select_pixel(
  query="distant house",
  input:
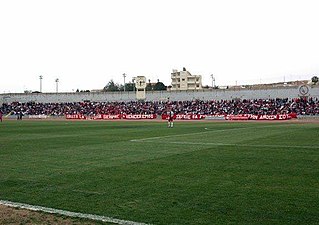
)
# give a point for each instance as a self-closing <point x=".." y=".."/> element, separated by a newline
<point x="184" y="80"/>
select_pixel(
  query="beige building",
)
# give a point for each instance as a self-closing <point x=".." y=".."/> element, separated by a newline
<point x="184" y="80"/>
<point x="140" y="85"/>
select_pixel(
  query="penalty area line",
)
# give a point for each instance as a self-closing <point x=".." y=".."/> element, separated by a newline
<point x="229" y="144"/>
<point x="207" y="130"/>
<point x="180" y="135"/>
<point x="69" y="213"/>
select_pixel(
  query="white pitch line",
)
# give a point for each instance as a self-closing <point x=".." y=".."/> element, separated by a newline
<point x="179" y="135"/>
<point x="227" y="144"/>
<point x="151" y="139"/>
<point x="202" y="132"/>
<point x="69" y="213"/>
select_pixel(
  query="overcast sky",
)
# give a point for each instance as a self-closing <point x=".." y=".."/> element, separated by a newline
<point x="87" y="43"/>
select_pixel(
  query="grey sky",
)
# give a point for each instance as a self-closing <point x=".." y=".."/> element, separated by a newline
<point x="87" y="43"/>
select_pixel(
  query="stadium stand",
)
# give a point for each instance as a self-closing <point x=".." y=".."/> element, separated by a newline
<point x="299" y="106"/>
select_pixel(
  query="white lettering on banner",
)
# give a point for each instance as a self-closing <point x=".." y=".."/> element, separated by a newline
<point x="75" y="116"/>
<point x="111" y="117"/>
<point x="268" y="117"/>
<point x="139" y="116"/>
<point x="106" y="117"/>
<point x="253" y="117"/>
<point x="183" y="117"/>
<point x="189" y="117"/>
<point x="258" y="117"/>
<point x="284" y="117"/>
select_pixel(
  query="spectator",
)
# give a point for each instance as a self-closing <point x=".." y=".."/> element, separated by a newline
<point x="221" y="107"/>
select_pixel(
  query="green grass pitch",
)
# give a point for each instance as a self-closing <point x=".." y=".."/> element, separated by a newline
<point x="195" y="173"/>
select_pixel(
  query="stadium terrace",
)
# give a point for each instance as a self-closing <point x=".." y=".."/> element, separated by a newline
<point x="298" y="106"/>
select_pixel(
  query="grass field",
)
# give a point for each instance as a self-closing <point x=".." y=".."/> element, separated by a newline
<point x="195" y="173"/>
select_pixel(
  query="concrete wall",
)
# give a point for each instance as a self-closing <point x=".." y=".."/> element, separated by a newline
<point x="68" y="97"/>
<point x="284" y="92"/>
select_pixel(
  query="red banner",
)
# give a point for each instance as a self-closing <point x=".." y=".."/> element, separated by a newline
<point x="180" y="117"/>
<point x="112" y="117"/>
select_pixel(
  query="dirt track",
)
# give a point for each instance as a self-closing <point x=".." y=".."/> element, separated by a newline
<point x="15" y="216"/>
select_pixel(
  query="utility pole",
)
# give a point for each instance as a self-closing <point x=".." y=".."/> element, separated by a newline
<point x="213" y="81"/>
<point x="40" y="77"/>
<point x="57" y="85"/>
<point x="133" y="81"/>
<point x="124" y="75"/>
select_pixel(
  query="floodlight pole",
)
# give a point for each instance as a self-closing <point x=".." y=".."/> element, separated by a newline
<point x="213" y="81"/>
<point x="40" y="77"/>
<point x="124" y="75"/>
<point x="57" y="85"/>
<point x="133" y="80"/>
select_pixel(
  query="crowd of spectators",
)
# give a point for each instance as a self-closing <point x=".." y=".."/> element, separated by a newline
<point x="214" y="107"/>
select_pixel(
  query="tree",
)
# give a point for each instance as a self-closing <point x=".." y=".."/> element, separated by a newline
<point x="159" y="86"/>
<point x="149" y="87"/>
<point x="314" y="79"/>
<point x="129" y="86"/>
<point x="111" y="86"/>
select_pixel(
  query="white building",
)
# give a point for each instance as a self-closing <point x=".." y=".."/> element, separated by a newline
<point x="140" y="85"/>
<point x="184" y="80"/>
